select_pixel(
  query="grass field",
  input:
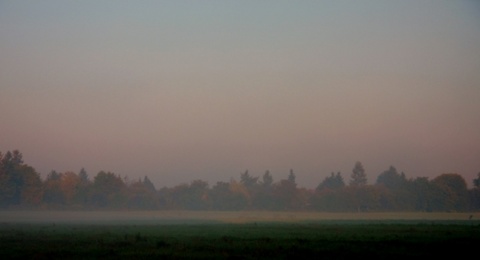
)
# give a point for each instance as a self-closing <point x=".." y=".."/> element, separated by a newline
<point x="162" y="217"/>
<point x="235" y="235"/>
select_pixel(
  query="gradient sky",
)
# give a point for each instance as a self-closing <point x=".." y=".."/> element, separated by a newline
<point x="184" y="90"/>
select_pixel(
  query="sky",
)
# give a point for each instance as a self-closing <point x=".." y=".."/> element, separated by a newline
<point x="186" y="90"/>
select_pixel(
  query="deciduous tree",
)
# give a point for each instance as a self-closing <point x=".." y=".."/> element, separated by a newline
<point x="53" y="194"/>
<point x="392" y="179"/>
<point x="108" y="190"/>
<point x="452" y="191"/>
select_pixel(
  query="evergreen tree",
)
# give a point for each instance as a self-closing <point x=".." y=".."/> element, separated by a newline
<point x="19" y="182"/>
<point x="148" y="184"/>
<point x="267" y="179"/>
<point x="358" y="177"/>
<point x="291" y="177"/>
<point x="83" y="175"/>
<point x="247" y="180"/>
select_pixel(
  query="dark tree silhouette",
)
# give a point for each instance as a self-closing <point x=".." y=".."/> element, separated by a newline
<point x="21" y="187"/>
<point x="292" y="177"/>
<point x="10" y="178"/>
<point x="333" y="182"/>
<point x="267" y="179"/>
<point x="451" y="192"/>
<point x="392" y="179"/>
<point x="476" y="182"/>
<point x="148" y="184"/>
<point x="108" y="190"/>
<point x="83" y="175"/>
<point x="247" y="180"/>
<point x="358" y="177"/>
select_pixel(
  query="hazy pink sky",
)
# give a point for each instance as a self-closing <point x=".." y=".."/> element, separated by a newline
<point x="184" y="90"/>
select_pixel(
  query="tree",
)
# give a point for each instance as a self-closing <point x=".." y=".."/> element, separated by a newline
<point x="141" y="195"/>
<point x="241" y="194"/>
<point x="221" y="197"/>
<point x="267" y="179"/>
<point x="333" y="182"/>
<point x="263" y="198"/>
<point x="193" y="196"/>
<point x="330" y="200"/>
<point x="198" y="192"/>
<point x="11" y="178"/>
<point x="474" y="194"/>
<point x="84" y="188"/>
<point x="396" y="190"/>
<point x="53" y="193"/>
<point x="69" y="185"/>
<point x="391" y="179"/>
<point x="358" y="177"/>
<point x="148" y="184"/>
<point x="476" y="182"/>
<point x="83" y="175"/>
<point x="248" y="181"/>
<point x="12" y="159"/>
<point x="292" y="177"/>
<point x="108" y="190"/>
<point x="451" y="192"/>
<point x="421" y="191"/>
<point x="228" y="196"/>
<point x="31" y="188"/>
<point x="285" y="195"/>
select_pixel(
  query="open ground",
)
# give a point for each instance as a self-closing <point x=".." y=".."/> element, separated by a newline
<point x="234" y="235"/>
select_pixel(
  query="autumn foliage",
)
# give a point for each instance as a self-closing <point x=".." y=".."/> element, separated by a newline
<point x="22" y="187"/>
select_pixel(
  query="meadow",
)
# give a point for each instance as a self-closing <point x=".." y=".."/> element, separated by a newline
<point x="235" y="235"/>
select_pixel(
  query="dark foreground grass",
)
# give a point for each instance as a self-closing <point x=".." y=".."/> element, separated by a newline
<point x="321" y="240"/>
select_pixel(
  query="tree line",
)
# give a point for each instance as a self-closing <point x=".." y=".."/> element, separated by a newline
<point x="21" y="187"/>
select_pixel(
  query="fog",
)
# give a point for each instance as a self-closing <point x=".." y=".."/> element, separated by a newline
<point x="204" y="217"/>
<point x="189" y="90"/>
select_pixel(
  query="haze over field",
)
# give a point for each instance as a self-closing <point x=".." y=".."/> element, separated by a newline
<point x="184" y="90"/>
